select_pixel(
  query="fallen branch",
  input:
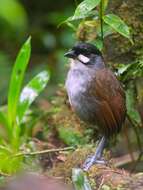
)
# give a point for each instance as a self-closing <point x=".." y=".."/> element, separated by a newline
<point x="43" y="151"/>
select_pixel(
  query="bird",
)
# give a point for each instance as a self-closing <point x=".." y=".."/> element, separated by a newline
<point x="95" y="94"/>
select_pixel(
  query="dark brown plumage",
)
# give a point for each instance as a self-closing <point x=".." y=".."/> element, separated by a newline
<point x="95" y="94"/>
<point x="107" y="89"/>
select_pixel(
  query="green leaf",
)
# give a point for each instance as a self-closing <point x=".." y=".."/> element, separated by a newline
<point x="3" y="119"/>
<point x="17" y="79"/>
<point x="123" y="68"/>
<point x="83" y="16"/>
<point x="107" y="30"/>
<point x="30" y="92"/>
<point x="71" y="26"/>
<point x="84" y="8"/>
<point x="118" y="25"/>
<point x="130" y="71"/>
<point x="80" y="180"/>
<point x="73" y="18"/>
<point x="4" y="122"/>
<point x="98" y="43"/>
<point x="13" y="12"/>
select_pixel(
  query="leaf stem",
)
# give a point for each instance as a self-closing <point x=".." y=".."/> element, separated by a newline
<point x="101" y="20"/>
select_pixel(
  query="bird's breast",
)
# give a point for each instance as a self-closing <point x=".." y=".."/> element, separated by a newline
<point x="77" y="85"/>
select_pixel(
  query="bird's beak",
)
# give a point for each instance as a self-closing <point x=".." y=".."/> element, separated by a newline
<point x="70" y="54"/>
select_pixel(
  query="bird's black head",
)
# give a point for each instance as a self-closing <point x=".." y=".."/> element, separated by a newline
<point x="83" y="52"/>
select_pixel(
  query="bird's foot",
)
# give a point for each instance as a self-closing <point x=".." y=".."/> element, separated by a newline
<point x="90" y="161"/>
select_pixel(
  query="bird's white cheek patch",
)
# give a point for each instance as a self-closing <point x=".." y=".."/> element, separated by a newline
<point x="83" y="58"/>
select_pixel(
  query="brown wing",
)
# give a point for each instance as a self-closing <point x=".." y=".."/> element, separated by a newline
<point x="112" y="109"/>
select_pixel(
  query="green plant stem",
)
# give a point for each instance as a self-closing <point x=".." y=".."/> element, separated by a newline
<point x="101" y="20"/>
<point x="43" y="151"/>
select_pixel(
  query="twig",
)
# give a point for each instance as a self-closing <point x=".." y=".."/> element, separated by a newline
<point x="125" y="159"/>
<point x="101" y="184"/>
<point x="43" y="151"/>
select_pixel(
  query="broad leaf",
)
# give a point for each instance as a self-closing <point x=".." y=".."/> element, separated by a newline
<point x="84" y="8"/>
<point x="98" y="43"/>
<point x="17" y="79"/>
<point x="30" y="92"/>
<point x="118" y="25"/>
<point x="80" y="180"/>
<point x="107" y="30"/>
<point x="82" y="16"/>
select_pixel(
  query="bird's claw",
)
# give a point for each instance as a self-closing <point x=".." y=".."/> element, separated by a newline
<point x="91" y="161"/>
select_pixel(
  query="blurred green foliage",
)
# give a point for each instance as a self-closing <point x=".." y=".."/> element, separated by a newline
<point x="14" y="14"/>
<point x="17" y="21"/>
<point x="71" y="137"/>
<point x="14" y="117"/>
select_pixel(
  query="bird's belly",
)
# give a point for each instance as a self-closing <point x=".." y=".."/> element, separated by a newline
<point x="85" y="109"/>
<point x="77" y="89"/>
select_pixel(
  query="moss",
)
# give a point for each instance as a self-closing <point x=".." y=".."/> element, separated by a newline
<point x="132" y="13"/>
<point x="70" y="136"/>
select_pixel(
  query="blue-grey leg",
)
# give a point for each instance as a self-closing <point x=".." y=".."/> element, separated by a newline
<point x="97" y="157"/>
